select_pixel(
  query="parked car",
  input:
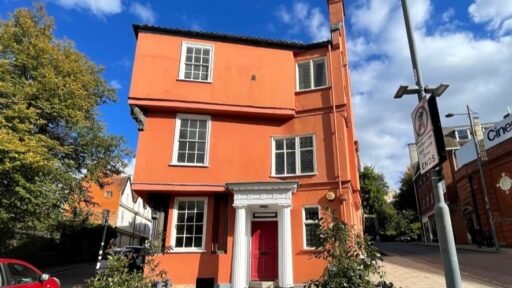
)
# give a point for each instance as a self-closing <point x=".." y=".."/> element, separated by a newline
<point x="19" y="274"/>
<point x="112" y="252"/>
<point x="139" y="254"/>
<point x="405" y="239"/>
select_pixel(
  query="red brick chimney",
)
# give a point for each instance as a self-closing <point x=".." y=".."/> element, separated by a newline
<point x="336" y="11"/>
<point x="336" y="19"/>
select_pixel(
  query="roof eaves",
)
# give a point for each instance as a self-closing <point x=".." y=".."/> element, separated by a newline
<point x="257" y="41"/>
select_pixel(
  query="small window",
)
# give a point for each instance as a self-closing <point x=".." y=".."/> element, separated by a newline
<point x="311" y="74"/>
<point x="189" y="224"/>
<point x="196" y="62"/>
<point x="21" y="274"/>
<point x="191" y="140"/>
<point x="311" y="226"/>
<point x="294" y="156"/>
<point x="462" y="134"/>
<point x="108" y="194"/>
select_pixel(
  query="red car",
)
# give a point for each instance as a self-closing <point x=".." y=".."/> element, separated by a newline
<point x="20" y="274"/>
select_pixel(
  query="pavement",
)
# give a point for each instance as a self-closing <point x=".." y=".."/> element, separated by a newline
<point x="418" y="266"/>
<point x="72" y="276"/>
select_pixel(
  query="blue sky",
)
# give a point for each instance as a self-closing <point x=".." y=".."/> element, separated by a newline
<point x="466" y="43"/>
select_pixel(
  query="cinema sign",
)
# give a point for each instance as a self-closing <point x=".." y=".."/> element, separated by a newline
<point x="499" y="133"/>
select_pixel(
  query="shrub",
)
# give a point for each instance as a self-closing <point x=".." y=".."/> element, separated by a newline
<point x="117" y="275"/>
<point x="352" y="261"/>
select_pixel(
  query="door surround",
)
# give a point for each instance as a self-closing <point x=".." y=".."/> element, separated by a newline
<point x="250" y="197"/>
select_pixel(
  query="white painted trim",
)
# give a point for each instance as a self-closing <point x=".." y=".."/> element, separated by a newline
<point x="177" y="127"/>
<point x="304" y="224"/>
<point x="297" y="89"/>
<point x="174" y="218"/>
<point x="297" y="156"/>
<point x="184" y="45"/>
<point x="262" y="193"/>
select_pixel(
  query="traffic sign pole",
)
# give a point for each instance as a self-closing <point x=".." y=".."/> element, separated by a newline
<point x="442" y="213"/>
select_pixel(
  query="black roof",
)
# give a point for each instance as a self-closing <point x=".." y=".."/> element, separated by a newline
<point x="256" y="41"/>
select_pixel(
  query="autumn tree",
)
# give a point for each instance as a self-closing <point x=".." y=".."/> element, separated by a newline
<point x="50" y="135"/>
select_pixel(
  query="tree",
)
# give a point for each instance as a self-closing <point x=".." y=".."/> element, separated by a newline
<point x="405" y="199"/>
<point x="373" y="192"/>
<point x="50" y="137"/>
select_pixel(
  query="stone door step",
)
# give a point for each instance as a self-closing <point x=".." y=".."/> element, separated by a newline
<point x="261" y="284"/>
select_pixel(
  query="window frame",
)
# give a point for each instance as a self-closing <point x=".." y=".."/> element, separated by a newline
<point x="179" y="117"/>
<point x="9" y="275"/>
<point x="311" y="60"/>
<point x="184" y="46"/>
<point x="297" y="156"/>
<point x="304" y="222"/>
<point x="174" y="224"/>
<point x="467" y="131"/>
<point x="108" y="194"/>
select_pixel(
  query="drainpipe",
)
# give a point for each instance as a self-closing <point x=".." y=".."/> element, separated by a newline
<point x="345" y="90"/>
<point x="342" y="213"/>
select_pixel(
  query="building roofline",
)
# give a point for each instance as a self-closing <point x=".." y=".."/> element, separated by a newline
<point x="224" y="37"/>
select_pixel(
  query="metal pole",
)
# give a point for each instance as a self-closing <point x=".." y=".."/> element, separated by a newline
<point x="446" y="241"/>
<point x="442" y="213"/>
<point x="482" y="181"/>
<point x="423" y="236"/>
<point x="412" y="49"/>
<point x="100" y="254"/>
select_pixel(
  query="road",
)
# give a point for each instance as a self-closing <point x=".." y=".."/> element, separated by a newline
<point x="72" y="276"/>
<point x="478" y="269"/>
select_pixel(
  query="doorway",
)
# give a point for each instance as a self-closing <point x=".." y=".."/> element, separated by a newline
<point x="264" y="251"/>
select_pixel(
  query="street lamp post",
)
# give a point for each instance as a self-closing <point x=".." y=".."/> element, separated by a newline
<point x="481" y="170"/>
<point x="444" y="227"/>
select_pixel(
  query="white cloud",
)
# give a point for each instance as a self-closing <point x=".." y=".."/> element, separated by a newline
<point x="97" y="7"/>
<point x="130" y="168"/>
<point x="474" y="66"/>
<point x="496" y="13"/>
<point x="448" y="14"/>
<point x="116" y="84"/>
<point x="143" y="12"/>
<point x="304" y="18"/>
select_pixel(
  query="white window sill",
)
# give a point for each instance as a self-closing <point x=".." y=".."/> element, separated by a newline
<point x="198" y="81"/>
<point x="313" y="89"/>
<point x="294" y="175"/>
<point x="189" y="165"/>
<point x="179" y="251"/>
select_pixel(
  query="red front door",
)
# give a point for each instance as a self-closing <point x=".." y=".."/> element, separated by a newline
<point x="264" y="250"/>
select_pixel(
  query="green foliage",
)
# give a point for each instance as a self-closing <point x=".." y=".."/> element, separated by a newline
<point x="373" y="190"/>
<point x="397" y="219"/>
<point x="405" y="199"/>
<point x="80" y="240"/>
<point x="403" y="223"/>
<point x="117" y="275"/>
<point x="50" y="135"/>
<point x="352" y="260"/>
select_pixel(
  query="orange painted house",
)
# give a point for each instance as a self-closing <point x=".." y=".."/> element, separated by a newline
<point x="126" y="211"/>
<point x="241" y="141"/>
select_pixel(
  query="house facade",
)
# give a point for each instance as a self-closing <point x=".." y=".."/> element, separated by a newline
<point x="127" y="212"/>
<point x="242" y="143"/>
